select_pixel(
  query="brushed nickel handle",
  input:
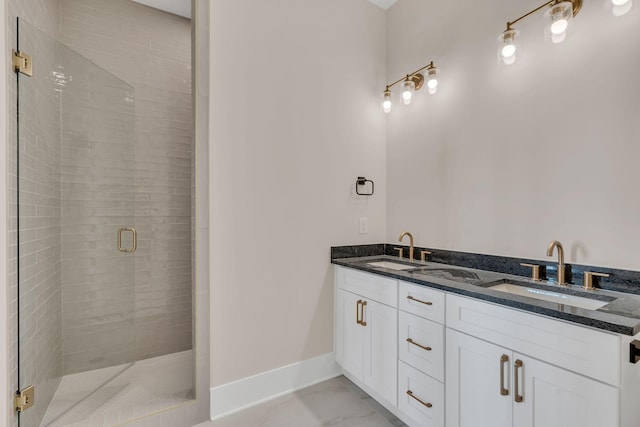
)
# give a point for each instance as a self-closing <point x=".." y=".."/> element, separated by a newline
<point x="519" y="398"/>
<point x="504" y="359"/>
<point x="420" y="301"/>
<point x="410" y="341"/>
<point x="134" y="243"/>
<point x="358" y="311"/>
<point x="410" y="394"/>
<point x="362" y="322"/>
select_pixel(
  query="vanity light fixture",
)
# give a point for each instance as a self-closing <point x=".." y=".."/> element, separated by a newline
<point x="412" y="83"/>
<point x="558" y="19"/>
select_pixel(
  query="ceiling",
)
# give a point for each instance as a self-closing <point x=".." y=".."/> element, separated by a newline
<point x="177" y="7"/>
<point x="385" y="4"/>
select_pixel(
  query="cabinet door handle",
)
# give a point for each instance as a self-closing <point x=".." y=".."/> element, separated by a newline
<point x="504" y="359"/>
<point x="358" y="311"/>
<point x="417" y="300"/>
<point x="517" y="397"/>
<point x="362" y="322"/>
<point x="410" y="341"/>
<point x="411" y="395"/>
<point x="134" y="242"/>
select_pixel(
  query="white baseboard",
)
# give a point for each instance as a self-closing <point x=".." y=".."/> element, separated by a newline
<point x="232" y="397"/>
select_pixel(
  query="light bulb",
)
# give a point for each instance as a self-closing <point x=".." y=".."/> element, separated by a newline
<point x="559" y="26"/>
<point x="508" y="50"/>
<point x="407" y="92"/>
<point x="432" y="80"/>
<point x="386" y="103"/>
<point x="621" y="7"/>
<point x="559" y="17"/>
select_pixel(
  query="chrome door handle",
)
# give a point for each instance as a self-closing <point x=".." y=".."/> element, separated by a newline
<point x="135" y="239"/>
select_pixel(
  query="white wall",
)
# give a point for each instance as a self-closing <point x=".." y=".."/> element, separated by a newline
<point x="505" y="159"/>
<point x="294" y="120"/>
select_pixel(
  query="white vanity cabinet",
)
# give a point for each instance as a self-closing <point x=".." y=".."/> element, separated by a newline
<point x="421" y="355"/>
<point x="494" y="384"/>
<point x="366" y="330"/>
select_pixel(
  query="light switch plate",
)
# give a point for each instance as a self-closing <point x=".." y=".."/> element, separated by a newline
<point x="364" y="225"/>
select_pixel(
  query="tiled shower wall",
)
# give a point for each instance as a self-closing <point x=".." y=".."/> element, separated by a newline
<point x="150" y="50"/>
<point x="40" y="262"/>
<point x="98" y="167"/>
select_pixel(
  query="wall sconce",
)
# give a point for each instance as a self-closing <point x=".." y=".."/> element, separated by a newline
<point x="411" y="83"/>
<point x="558" y="19"/>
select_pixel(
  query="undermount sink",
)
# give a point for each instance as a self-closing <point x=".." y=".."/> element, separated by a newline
<point x="391" y="265"/>
<point x="555" y="297"/>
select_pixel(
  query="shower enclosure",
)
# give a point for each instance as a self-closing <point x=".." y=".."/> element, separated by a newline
<point x="76" y="211"/>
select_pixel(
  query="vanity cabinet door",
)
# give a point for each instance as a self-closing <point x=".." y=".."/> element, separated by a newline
<point x="349" y="335"/>
<point x="380" y="350"/>
<point x="554" y="397"/>
<point x="475" y="394"/>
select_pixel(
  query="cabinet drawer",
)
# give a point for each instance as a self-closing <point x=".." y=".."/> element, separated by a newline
<point x="588" y="352"/>
<point x="426" y="407"/>
<point x="425" y="352"/>
<point x="421" y="301"/>
<point x="376" y="288"/>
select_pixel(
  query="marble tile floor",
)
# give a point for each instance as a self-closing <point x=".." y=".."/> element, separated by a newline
<point x="336" y="402"/>
<point x="129" y="392"/>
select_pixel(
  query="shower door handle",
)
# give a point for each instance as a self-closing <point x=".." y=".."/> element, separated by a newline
<point x="135" y="239"/>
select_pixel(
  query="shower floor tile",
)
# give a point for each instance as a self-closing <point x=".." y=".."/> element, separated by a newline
<point x="143" y="388"/>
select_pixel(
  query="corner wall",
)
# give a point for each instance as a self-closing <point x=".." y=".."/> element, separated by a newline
<point x="294" y="120"/>
<point x="505" y="159"/>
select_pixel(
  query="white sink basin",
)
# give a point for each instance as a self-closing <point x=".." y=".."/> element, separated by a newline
<point x="558" y="298"/>
<point x="391" y="265"/>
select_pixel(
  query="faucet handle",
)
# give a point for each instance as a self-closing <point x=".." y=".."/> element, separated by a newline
<point x="423" y="255"/>
<point x="535" y="270"/>
<point x="400" y="251"/>
<point x="588" y="279"/>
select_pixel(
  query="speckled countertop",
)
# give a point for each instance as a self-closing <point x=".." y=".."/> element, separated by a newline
<point x="621" y="315"/>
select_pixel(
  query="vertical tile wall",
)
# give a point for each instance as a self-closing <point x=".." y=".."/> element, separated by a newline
<point x="150" y="50"/>
<point x="40" y="262"/>
<point x="98" y="169"/>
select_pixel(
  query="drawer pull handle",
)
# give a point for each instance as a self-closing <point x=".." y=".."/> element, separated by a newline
<point x="358" y="311"/>
<point x="410" y="394"/>
<point x="363" y="305"/>
<point x="517" y="397"/>
<point x="503" y="361"/>
<point x="417" y="300"/>
<point x="410" y="341"/>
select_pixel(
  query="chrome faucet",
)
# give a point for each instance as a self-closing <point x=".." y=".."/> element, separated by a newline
<point x="406" y="233"/>
<point x="558" y="245"/>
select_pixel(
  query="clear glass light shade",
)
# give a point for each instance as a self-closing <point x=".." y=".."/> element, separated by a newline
<point x="408" y="87"/>
<point x="508" y="47"/>
<point x="619" y="7"/>
<point x="558" y="19"/>
<point x="386" y="102"/>
<point x="431" y="77"/>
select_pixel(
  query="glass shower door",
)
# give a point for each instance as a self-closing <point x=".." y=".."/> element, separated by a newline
<point x="76" y="237"/>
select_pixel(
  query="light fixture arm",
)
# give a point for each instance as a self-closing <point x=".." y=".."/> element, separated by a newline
<point x="413" y="76"/>
<point x="577" y="5"/>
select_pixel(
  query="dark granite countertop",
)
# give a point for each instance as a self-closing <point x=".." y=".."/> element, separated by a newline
<point x="620" y="315"/>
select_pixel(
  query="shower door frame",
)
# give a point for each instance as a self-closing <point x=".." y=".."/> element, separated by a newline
<point x="201" y="23"/>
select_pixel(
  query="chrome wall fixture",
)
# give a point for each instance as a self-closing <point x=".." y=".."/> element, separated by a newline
<point x="411" y="83"/>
